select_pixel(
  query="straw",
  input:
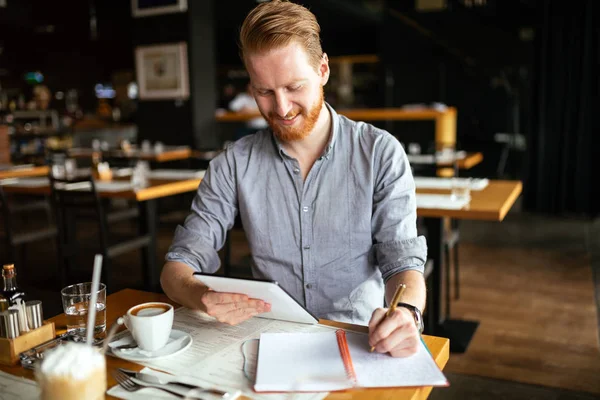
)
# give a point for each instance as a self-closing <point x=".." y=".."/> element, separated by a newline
<point x="91" y="322"/>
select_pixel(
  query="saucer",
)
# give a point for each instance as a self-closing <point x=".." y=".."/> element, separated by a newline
<point x="178" y="342"/>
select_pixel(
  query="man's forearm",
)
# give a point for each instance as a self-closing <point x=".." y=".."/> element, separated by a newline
<point x="415" y="292"/>
<point x="179" y="284"/>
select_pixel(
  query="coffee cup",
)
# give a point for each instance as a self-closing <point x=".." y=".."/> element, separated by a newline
<point x="150" y="324"/>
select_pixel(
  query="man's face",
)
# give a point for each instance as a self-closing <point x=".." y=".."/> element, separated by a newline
<point x="288" y="90"/>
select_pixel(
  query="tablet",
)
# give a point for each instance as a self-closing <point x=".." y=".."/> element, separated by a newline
<point x="283" y="306"/>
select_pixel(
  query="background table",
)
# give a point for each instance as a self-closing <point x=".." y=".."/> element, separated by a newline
<point x="170" y="153"/>
<point x="146" y="199"/>
<point x="489" y="204"/>
<point x="118" y="303"/>
<point x="22" y="172"/>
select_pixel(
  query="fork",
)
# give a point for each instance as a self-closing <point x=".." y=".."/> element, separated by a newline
<point x="151" y="379"/>
<point x="129" y="385"/>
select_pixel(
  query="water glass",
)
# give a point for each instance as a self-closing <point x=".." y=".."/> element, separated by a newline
<point x="76" y="303"/>
<point x="159" y="147"/>
<point x="446" y="155"/>
<point x="461" y="189"/>
<point x="414" y="148"/>
<point x="70" y="168"/>
<point x="58" y="171"/>
<point x="146" y="146"/>
<point x="140" y="174"/>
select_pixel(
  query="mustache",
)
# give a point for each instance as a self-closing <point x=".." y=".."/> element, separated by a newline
<point x="289" y="115"/>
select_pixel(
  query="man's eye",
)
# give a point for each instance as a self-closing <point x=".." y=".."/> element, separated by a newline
<point x="263" y="92"/>
<point x="294" y="88"/>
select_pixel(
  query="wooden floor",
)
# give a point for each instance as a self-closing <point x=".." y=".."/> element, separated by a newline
<point x="537" y="317"/>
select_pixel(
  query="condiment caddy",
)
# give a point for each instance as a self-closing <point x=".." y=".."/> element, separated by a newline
<point x="22" y="325"/>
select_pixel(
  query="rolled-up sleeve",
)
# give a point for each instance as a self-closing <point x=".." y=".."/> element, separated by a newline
<point x="213" y="212"/>
<point x="396" y="246"/>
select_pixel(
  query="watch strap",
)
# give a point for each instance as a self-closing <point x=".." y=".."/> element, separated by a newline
<point x="416" y="315"/>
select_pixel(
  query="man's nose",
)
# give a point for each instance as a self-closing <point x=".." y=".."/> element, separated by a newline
<point x="283" y="106"/>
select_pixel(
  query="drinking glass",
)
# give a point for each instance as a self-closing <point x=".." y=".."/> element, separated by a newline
<point x="76" y="303"/>
<point x="140" y="174"/>
<point x="414" y="148"/>
<point x="70" y="168"/>
<point x="461" y="189"/>
<point x="58" y="171"/>
<point x="159" y="147"/>
<point x="146" y="146"/>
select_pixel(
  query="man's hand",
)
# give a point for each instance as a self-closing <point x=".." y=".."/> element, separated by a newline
<point x="232" y="308"/>
<point x="396" y="334"/>
<point x="179" y="284"/>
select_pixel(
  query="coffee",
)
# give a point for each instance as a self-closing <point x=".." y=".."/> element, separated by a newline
<point x="72" y="371"/>
<point x="150" y="324"/>
<point x="150" y="309"/>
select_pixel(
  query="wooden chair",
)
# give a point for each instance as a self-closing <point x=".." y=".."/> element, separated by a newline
<point x="79" y="198"/>
<point x="16" y="235"/>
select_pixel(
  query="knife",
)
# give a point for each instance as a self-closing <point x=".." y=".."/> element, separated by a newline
<point x="155" y="380"/>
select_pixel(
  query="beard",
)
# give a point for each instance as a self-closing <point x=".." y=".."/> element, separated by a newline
<point x="298" y="131"/>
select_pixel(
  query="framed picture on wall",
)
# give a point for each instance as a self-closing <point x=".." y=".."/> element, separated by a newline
<point x="162" y="71"/>
<point x="144" y="8"/>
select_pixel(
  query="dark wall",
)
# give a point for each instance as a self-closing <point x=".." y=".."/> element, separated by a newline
<point x="182" y="121"/>
<point x="57" y="40"/>
<point x="168" y="121"/>
<point x="449" y="56"/>
<point x="465" y="60"/>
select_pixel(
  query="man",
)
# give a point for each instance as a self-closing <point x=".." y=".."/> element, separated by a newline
<point x="328" y="204"/>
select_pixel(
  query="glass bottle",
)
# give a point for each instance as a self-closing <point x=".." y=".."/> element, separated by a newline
<point x="10" y="289"/>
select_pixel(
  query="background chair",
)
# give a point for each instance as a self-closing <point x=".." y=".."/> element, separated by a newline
<point x="78" y="199"/>
<point x="20" y="224"/>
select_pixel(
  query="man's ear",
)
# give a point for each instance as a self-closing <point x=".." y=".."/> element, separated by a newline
<point x="324" y="69"/>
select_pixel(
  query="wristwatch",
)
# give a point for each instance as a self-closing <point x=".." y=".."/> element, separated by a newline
<point x="416" y="314"/>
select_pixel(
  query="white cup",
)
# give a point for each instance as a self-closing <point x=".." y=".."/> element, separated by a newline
<point x="150" y="324"/>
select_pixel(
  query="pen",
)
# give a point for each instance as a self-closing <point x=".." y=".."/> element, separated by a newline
<point x="397" y="296"/>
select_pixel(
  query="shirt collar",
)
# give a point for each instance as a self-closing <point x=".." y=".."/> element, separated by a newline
<point x="332" y="137"/>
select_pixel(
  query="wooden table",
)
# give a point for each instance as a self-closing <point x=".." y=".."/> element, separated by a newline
<point x="118" y="303"/>
<point x="445" y="121"/>
<point x="170" y="153"/>
<point x="471" y="160"/>
<point x="146" y="198"/>
<point x="467" y="162"/>
<point x="489" y="204"/>
<point x="20" y="172"/>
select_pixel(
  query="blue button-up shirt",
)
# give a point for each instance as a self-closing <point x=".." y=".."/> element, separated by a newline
<point x="331" y="240"/>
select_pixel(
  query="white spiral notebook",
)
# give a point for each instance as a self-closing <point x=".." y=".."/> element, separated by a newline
<point x="337" y="360"/>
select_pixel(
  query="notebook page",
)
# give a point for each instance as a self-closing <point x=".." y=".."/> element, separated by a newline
<point x="382" y="370"/>
<point x="303" y="362"/>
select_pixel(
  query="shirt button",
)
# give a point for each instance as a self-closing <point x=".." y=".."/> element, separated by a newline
<point x="305" y="209"/>
<point x="308" y="286"/>
<point x="296" y="171"/>
<point x="307" y="247"/>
